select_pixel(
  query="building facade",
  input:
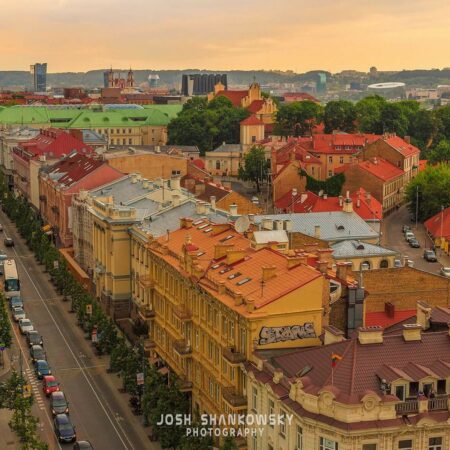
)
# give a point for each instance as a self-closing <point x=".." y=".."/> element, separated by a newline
<point x="39" y="73"/>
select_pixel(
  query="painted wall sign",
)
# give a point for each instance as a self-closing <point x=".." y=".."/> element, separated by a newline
<point x="272" y="335"/>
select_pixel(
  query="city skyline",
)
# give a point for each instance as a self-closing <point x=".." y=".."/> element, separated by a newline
<point x="81" y="36"/>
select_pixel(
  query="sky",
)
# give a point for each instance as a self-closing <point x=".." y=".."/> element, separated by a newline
<point x="298" y="35"/>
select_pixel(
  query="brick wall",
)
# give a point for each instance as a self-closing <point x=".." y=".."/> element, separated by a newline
<point x="383" y="150"/>
<point x="356" y="178"/>
<point x="404" y="287"/>
<point x="299" y="240"/>
<point x="288" y="179"/>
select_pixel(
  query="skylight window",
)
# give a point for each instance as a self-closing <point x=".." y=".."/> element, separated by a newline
<point x="227" y="238"/>
<point x="207" y="230"/>
<point x="197" y="222"/>
<point x="202" y="226"/>
<point x="225" y="270"/>
<point x="200" y="253"/>
<point x="234" y="275"/>
<point x="245" y="280"/>
<point x="215" y="266"/>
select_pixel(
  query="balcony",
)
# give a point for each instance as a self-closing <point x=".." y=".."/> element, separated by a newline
<point x="439" y="403"/>
<point x="233" y="398"/>
<point x="233" y="356"/>
<point x="146" y="313"/>
<point x="185" y="385"/>
<point x="408" y="407"/>
<point x="146" y="281"/>
<point x="182" y="312"/>
<point x="182" y="347"/>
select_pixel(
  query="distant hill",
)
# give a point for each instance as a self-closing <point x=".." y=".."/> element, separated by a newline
<point x="172" y="78"/>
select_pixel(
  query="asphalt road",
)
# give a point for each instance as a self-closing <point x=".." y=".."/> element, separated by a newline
<point x="393" y="238"/>
<point x="97" y="409"/>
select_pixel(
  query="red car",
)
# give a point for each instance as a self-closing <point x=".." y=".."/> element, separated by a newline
<point x="49" y="385"/>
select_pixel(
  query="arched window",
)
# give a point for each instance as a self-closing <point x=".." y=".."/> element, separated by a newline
<point x="218" y="165"/>
<point x="384" y="264"/>
<point x="365" y="265"/>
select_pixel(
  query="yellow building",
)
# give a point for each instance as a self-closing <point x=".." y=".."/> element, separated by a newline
<point x="376" y="397"/>
<point x="211" y="300"/>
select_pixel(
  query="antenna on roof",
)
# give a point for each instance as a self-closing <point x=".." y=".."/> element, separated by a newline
<point x="242" y="224"/>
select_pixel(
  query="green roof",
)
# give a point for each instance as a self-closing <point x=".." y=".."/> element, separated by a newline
<point x="159" y="115"/>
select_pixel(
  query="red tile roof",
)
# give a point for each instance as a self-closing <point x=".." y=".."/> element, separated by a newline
<point x="439" y="224"/>
<point x="199" y="163"/>
<point x="422" y="164"/>
<point x="255" y="106"/>
<point x="368" y="209"/>
<point x="299" y="96"/>
<point x="378" y="167"/>
<point x="252" y="120"/>
<point x="401" y="146"/>
<point x="234" y="96"/>
<point x="73" y="168"/>
<point x="383" y="320"/>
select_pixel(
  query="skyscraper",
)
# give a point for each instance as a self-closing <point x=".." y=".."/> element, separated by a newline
<point x="201" y="84"/>
<point x="39" y="72"/>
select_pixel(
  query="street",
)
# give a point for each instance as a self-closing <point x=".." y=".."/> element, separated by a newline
<point x="393" y="238"/>
<point x="98" y="411"/>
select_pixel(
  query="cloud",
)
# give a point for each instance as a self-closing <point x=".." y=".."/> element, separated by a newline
<point x="284" y="34"/>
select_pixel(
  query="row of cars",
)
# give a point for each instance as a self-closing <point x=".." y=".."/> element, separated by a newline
<point x="429" y="254"/>
<point x="59" y="406"/>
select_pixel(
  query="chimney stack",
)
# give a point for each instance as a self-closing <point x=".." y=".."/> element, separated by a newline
<point x="268" y="272"/>
<point x="317" y="231"/>
<point x="175" y="183"/>
<point x="412" y="332"/>
<point x="341" y="201"/>
<point x="212" y="199"/>
<point x="370" y="335"/>
<point x="342" y="269"/>
<point x="332" y="335"/>
<point x="233" y="210"/>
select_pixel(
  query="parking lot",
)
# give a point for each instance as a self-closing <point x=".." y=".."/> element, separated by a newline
<point x="393" y="237"/>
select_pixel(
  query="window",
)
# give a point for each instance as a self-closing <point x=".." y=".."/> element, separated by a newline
<point x="327" y="444"/>
<point x="217" y="165"/>
<point x="299" y="438"/>
<point x="330" y="173"/>
<point x="405" y="444"/>
<point x="130" y="141"/>
<point x="384" y="264"/>
<point x="369" y="447"/>
<point x="283" y="423"/>
<point x="253" y="139"/>
<point x="330" y="159"/>
<point x="442" y="387"/>
<point x="435" y="443"/>
<point x="254" y="398"/>
<point x="341" y="160"/>
<point x="271" y="410"/>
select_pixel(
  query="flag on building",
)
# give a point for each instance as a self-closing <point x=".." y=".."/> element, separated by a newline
<point x="334" y="359"/>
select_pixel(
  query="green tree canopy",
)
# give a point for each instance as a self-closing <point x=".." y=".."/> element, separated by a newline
<point x="339" y="115"/>
<point x="433" y="186"/>
<point x="424" y="127"/>
<point x="394" y="119"/>
<point x="440" y="153"/>
<point x="207" y="125"/>
<point x="298" y="118"/>
<point x="368" y="114"/>
<point x="255" y="168"/>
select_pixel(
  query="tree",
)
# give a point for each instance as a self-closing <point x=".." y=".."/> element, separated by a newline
<point x="197" y="442"/>
<point x="255" y="167"/>
<point x="433" y="186"/>
<point x="298" y="118"/>
<point x="440" y="153"/>
<point x="368" y="114"/>
<point x="424" y="127"/>
<point x="5" y="326"/>
<point x="229" y="444"/>
<point x="443" y="115"/>
<point x="393" y="119"/>
<point x="339" y="115"/>
<point x="207" y="125"/>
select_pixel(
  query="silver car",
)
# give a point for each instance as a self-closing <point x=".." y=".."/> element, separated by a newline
<point x="18" y="313"/>
<point x="445" y="271"/>
<point x="25" y="326"/>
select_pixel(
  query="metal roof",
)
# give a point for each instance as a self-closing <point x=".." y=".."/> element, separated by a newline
<point x="334" y="225"/>
<point x="349" y="249"/>
<point x="263" y="237"/>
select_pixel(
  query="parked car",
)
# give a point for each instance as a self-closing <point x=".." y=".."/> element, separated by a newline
<point x="409" y="235"/>
<point x="64" y="430"/>
<point x="406" y="228"/>
<point x="25" y="326"/>
<point x="82" y="445"/>
<point x="410" y="263"/>
<point x="3" y="256"/>
<point x="49" y="385"/>
<point x="9" y="242"/>
<point x="1" y="227"/>
<point x="414" y="243"/>
<point x="429" y="255"/>
<point x="37" y="353"/>
<point x="34" y="338"/>
<point x="42" y="368"/>
<point x="445" y="271"/>
<point x="397" y="263"/>
<point x="2" y="268"/>
<point x="15" y="302"/>
<point x="59" y="403"/>
<point x="18" y="313"/>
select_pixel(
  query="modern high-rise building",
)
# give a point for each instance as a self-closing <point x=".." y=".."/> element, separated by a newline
<point x="201" y="84"/>
<point x="39" y="72"/>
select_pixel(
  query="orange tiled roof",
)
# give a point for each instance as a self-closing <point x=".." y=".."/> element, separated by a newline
<point x="252" y="120"/>
<point x="244" y="276"/>
<point x="402" y="146"/>
<point x="439" y="224"/>
<point x="378" y="167"/>
<point x="255" y="106"/>
<point x="234" y="96"/>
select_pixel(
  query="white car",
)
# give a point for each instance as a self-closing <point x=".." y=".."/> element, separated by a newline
<point x="25" y="326"/>
<point x="18" y="313"/>
<point x="445" y="271"/>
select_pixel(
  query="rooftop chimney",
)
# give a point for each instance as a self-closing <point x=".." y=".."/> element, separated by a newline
<point x="325" y="196"/>
<point x="322" y="266"/>
<point x="412" y="332"/>
<point x="317" y="231"/>
<point x="212" y="199"/>
<point x="268" y="272"/>
<point x="348" y="205"/>
<point x="267" y="224"/>
<point x="233" y="210"/>
<point x="175" y="183"/>
<point x="332" y="334"/>
<point x="342" y="270"/>
<point x="278" y="225"/>
<point x="341" y="200"/>
<point x="423" y="315"/>
<point x="200" y="207"/>
<point x="370" y="335"/>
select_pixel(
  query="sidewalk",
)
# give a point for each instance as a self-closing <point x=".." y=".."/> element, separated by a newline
<point x="8" y="439"/>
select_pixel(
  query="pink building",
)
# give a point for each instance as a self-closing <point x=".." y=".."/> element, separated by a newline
<point x="60" y="182"/>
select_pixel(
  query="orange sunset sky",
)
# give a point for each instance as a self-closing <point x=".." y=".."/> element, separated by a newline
<point x="79" y="35"/>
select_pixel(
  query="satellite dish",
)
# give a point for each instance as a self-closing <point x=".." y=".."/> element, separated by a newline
<point x="242" y="224"/>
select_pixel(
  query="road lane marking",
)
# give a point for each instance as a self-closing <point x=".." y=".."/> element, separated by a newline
<point x="75" y="358"/>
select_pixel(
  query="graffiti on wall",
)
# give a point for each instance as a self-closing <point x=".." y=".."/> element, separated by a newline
<point x="272" y="335"/>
